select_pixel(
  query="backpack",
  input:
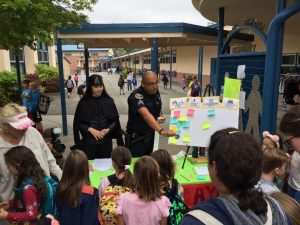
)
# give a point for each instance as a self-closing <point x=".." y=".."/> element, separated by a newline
<point x="195" y="89"/>
<point x="134" y="82"/>
<point x="48" y="206"/>
<point x="178" y="207"/>
<point x="69" y="84"/>
<point x="108" y="203"/>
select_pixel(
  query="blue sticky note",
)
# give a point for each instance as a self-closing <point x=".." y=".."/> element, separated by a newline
<point x="173" y="120"/>
<point x="201" y="177"/>
<point x="179" y="124"/>
<point x="178" y="133"/>
<point x="186" y="124"/>
<point x="211" y="112"/>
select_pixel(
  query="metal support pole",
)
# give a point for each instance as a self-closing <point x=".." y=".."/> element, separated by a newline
<point x="220" y="45"/>
<point x="62" y="87"/>
<point x="200" y="66"/>
<point x="86" y="64"/>
<point x="18" y="75"/>
<point x="154" y="56"/>
<point x="171" y="63"/>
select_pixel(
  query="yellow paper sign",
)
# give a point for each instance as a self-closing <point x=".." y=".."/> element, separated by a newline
<point x="232" y="88"/>
<point x="172" y="140"/>
<point x="186" y="138"/>
<point x="205" y="125"/>
<point x="173" y="128"/>
<point x="182" y="118"/>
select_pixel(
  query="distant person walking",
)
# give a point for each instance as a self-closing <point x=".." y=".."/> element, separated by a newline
<point x="134" y="82"/>
<point x="165" y="80"/>
<point x="76" y="79"/>
<point x="129" y="80"/>
<point x="183" y="82"/>
<point x="121" y="83"/>
<point x="69" y="85"/>
<point x="81" y="90"/>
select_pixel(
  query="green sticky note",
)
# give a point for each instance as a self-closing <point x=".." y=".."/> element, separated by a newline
<point x="211" y="112"/>
<point x="179" y="124"/>
<point x="173" y="120"/>
<point x="182" y="118"/>
<point x="172" y="140"/>
<point x="186" y="138"/>
<point x="232" y="88"/>
<point x="205" y="125"/>
<point x="186" y="124"/>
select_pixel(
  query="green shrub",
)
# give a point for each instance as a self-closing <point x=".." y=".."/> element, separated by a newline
<point x="45" y="72"/>
<point x="8" y="87"/>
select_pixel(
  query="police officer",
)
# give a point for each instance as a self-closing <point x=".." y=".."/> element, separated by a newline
<point x="144" y="108"/>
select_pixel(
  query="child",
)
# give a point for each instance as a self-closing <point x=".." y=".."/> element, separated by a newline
<point x="134" y="82"/>
<point x="146" y="205"/>
<point x="121" y="159"/>
<point x="24" y="209"/>
<point x="290" y="127"/>
<point x="77" y="201"/>
<point x="26" y="94"/>
<point x="69" y="85"/>
<point x="274" y="162"/>
<point x="34" y="111"/>
<point x="165" y="80"/>
<point x="121" y="83"/>
<point x="183" y="82"/>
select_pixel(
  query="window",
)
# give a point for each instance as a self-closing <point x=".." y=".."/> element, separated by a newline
<point x="94" y="53"/>
<point x="42" y="51"/>
<point x="165" y="57"/>
<point x="21" y="59"/>
<point x="289" y="59"/>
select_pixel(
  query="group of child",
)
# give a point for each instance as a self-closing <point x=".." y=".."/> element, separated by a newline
<point x="131" y="81"/>
<point x="241" y="170"/>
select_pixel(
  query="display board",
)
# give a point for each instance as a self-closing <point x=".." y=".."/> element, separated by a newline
<point x="195" y="119"/>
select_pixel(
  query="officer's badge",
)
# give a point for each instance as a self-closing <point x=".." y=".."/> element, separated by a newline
<point x="138" y="96"/>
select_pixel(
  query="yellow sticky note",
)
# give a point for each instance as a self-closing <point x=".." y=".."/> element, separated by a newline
<point x="173" y="128"/>
<point x="172" y="140"/>
<point x="205" y="125"/>
<point x="186" y="138"/>
<point x="182" y="118"/>
<point x="232" y="88"/>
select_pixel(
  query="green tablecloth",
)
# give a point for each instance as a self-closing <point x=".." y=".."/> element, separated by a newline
<point x="184" y="176"/>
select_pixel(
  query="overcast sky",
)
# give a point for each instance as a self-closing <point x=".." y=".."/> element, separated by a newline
<point x="145" y="11"/>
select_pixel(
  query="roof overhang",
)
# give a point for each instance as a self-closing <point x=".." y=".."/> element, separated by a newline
<point x="235" y="11"/>
<point x="142" y="35"/>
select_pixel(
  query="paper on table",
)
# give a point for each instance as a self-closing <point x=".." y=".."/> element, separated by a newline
<point x="190" y="112"/>
<point x="241" y="71"/>
<point x="242" y="99"/>
<point x="201" y="170"/>
<point x="186" y="124"/>
<point x="102" y="164"/>
<point x="173" y="120"/>
<point x="205" y="125"/>
<point x="177" y="113"/>
<point x="211" y="112"/>
<point x="173" y="128"/>
<point x="232" y="88"/>
<point x="186" y="138"/>
<point x="182" y="118"/>
<point x="172" y="140"/>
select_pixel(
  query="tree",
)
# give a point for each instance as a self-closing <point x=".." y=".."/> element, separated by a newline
<point x="24" y="22"/>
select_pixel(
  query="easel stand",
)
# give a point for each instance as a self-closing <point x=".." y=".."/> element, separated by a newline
<point x="186" y="155"/>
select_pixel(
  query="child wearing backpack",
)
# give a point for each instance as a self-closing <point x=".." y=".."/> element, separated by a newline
<point x="30" y="189"/>
<point x="274" y="162"/>
<point x="134" y="82"/>
<point x="146" y="204"/>
<point x="77" y="201"/>
<point x="113" y="186"/>
<point x="172" y="189"/>
<point x="121" y="83"/>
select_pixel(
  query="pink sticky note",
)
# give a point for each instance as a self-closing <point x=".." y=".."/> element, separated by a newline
<point x="190" y="112"/>
<point x="176" y="113"/>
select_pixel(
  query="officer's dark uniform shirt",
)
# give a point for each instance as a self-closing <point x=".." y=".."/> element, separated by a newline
<point x="137" y="99"/>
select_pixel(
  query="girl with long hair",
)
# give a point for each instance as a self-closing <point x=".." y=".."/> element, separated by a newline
<point x="30" y="188"/>
<point x="97" y="120"/>
<point x="146" y="204"/>
<point x="77" y="201"/>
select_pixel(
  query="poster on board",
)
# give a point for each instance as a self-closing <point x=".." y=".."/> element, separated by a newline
<point x="195" y="119"/>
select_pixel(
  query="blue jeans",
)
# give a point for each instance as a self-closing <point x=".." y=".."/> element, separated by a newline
<point x="294" y="194"/>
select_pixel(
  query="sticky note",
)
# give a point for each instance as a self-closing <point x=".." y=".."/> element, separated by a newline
<point x="173" y="120"/>
<point x="178" y="133"/>
<point x="179" y="124"/>
<point x="182" y="118"/>
<point x="173" y="128"/>
<point x="232" y="88"/>
<point x="205" y="125"/>
<point x="186" y="138"/>
<point x="186" y="124"/>
<point x="200" y="177"/>
<point x="211" y="112"/>
<point x="176" y="114"/>
<point x="172" y="140"/>
<point x="190" y="112"/>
